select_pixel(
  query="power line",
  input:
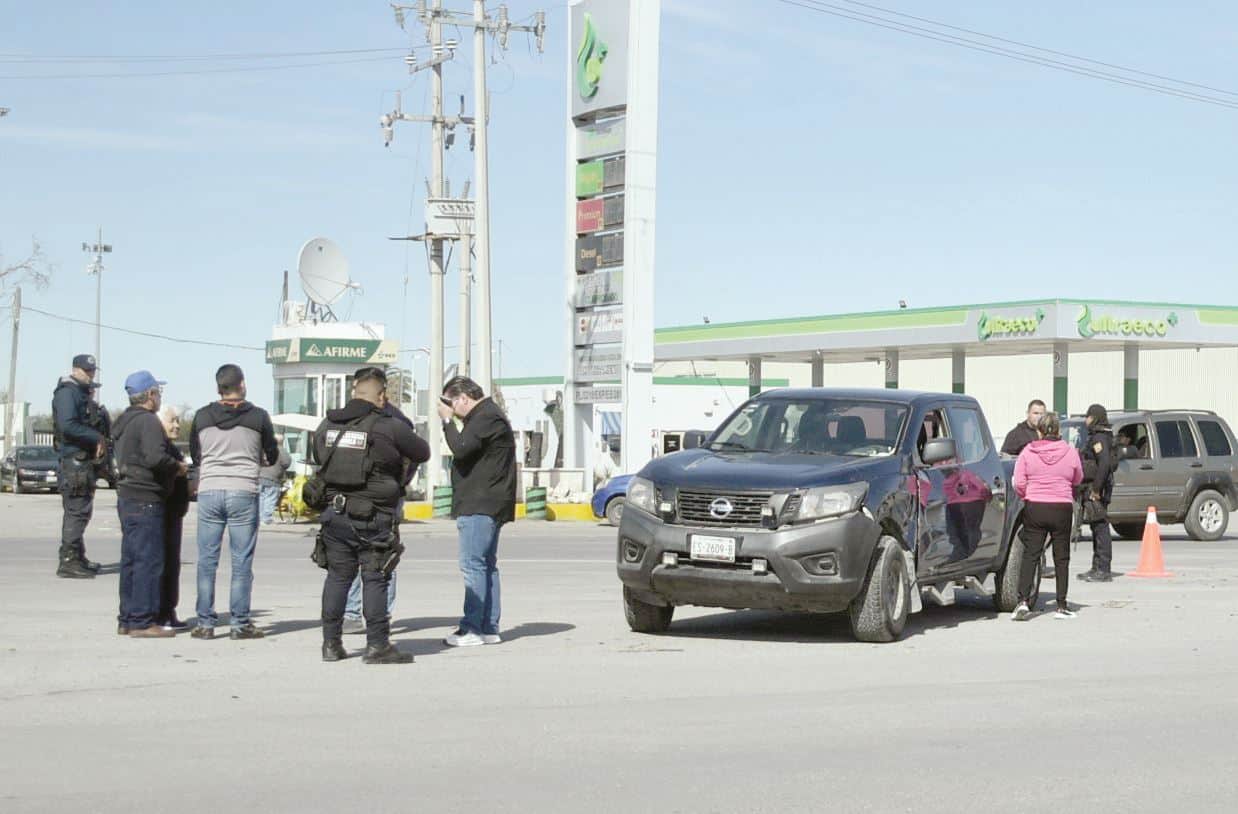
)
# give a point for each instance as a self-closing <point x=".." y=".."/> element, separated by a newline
<point x="996" y="50"/>
<point x="156" y="74"/>
<point x="71" y="58"/>
<point x="146" y="334"/>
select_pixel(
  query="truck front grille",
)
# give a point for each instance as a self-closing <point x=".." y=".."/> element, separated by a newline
<point x="695" y="508"/>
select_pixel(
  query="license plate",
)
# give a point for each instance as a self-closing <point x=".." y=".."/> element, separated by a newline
<point x="51" y="477"/>
<point x="715" y="549"/>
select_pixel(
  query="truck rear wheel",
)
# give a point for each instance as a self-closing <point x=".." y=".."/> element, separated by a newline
<point x="879" y="612"/>
<point x="1006" y="581"/>
<point x="645" y="618"/>
<point x="1208" y="516"/>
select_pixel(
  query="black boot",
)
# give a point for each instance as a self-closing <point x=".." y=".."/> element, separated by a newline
<point x="333" y="650"/>
<point x="385" y="654"/>
<point x="79" y="551"/>
<point x="72" y="568"/>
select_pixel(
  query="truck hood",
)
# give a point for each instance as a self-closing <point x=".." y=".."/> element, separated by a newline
<point x="699" y="468"/>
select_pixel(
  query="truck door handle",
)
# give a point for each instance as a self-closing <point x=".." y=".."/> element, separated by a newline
<point x="1147" y="466"/>
<point x="1197" y="465"/>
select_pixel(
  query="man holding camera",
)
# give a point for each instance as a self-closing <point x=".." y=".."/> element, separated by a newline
<point x="362" y="454"/>
<point x="80" y="436"/>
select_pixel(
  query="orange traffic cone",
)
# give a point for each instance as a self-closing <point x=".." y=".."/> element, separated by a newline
<point x="1151" y="563"/>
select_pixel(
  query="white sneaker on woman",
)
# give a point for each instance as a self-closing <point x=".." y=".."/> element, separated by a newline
<point x="1021" y="612"/>
<point x="1065" y="613"/>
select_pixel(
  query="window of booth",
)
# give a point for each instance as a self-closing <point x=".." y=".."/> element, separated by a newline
<point x="297" y="395"/>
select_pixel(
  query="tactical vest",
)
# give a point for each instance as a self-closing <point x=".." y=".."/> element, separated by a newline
<point x="350" y="464"/>
<point x="92" y="417"/>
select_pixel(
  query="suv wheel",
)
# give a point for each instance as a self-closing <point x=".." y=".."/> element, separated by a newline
<point x="645" y="618"/>
<point x="1006" y="581"/>
<point x="614" y="511"/>
<point x="879" y="612"/>
<point x="1129" y="531"/>
<point x="1208" y="516"/>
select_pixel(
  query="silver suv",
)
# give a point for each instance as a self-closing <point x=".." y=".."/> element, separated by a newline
<point x="1183" y="462"/>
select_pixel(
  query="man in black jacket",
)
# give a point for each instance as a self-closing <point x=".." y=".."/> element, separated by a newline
<point x="146" y="475"/>
<point x="363" y="454"/>
<point x="1025" y="433"/>
<point x="1099" y="462"/>
<point x="483" y="498"/>
<point x="80" y="439"/>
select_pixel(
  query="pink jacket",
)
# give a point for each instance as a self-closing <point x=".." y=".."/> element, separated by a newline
<point x="1047" y="471"/>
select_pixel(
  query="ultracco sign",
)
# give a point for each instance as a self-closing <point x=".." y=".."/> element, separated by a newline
<point x="1109" y="325"/>
<point x="997" y="327"/>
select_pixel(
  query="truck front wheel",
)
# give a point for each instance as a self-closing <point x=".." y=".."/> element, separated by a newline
<point x="879" y="612"/>
<point x="1006" y="581"/>
<point x="646" y="618"/>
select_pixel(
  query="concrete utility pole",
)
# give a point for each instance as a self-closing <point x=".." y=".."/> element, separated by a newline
<point x="98" y="249"/>
<point x="466" y="284"/>
<point x="12" y="408"/>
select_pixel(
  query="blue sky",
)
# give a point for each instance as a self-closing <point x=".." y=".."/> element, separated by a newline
<point x="807" y="164"/>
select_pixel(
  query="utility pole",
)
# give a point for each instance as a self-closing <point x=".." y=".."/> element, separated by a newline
<point x="98" y="249"/>
<point x="481" y="173"/>
<point x="437" y="271"/>
<point x="466" y="285"/>
<point x="9" y="414"/>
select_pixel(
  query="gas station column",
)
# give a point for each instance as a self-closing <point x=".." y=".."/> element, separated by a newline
<point x="958" y="367"/>
<point x="1130" y="377"/>
<point x="818" y="369"/>
<point x="891" y="365"/>
<point x="1061" y="371"/>
<point x="754" y="376"/>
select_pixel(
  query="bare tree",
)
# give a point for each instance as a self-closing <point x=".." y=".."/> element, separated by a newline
<point x="33" y="270"/>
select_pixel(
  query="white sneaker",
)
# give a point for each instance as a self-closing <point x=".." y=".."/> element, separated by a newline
<point x="1065" y="613"/>
<point x="1020" y="613"/>
<point x="463" y="639"/>
<point x="491" y="638"/>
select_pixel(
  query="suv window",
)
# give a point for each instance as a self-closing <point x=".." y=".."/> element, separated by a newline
<point x="968" y="432"/>
<point x="1175" y="439"/>
<point x="1216" y="442"/>
<point x="1134" y="437"/>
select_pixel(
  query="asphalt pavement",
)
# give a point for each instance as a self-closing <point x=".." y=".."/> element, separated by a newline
<point x="1130" y="707"/>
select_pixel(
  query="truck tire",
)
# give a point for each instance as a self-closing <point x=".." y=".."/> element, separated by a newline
<point x="1006" y="580"/>
<point x="1208" y="516"/>
<point x="879" y="612"/>
<point x="614" y="511"/>
<point x="1129" y="531"/>
<point x="645" y="618"/>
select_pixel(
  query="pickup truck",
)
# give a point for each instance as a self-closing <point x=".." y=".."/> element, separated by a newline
<point x="825" y="500"/>
<point x="1182" y="462"/>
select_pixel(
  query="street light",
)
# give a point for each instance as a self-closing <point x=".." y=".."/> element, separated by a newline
<point x="96" y="268"/>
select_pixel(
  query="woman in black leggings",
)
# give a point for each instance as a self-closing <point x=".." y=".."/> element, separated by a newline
<point x="1045" y="476"/>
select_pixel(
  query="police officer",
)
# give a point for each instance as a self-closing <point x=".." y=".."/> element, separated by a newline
<point x="80" y="436"/>
<point x="362" y="454"/>
<point x="1099" y="463"/>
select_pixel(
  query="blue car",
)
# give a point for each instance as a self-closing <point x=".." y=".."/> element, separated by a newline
<point x="608" y="500"/>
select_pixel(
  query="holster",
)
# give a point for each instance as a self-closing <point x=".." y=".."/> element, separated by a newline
<point x="78" y="477"/>
<point x="319" y="554"/>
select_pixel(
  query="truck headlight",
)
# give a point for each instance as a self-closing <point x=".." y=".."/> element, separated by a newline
<point x="831" y="501"/>
<point x="643" y="496"/>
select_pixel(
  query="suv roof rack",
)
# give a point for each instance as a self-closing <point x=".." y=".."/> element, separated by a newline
<point x="1189" y="412"/>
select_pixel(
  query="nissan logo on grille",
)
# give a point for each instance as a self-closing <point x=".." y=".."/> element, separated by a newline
<point x="720" y="508"/>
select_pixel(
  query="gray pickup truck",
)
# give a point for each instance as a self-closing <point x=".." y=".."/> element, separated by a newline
<point x="1183" y="462"/>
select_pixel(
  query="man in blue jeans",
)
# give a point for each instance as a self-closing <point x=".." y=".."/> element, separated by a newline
<point x="146" y="475"/>
<point x="230" y="441"/>
<point x="483" y="498"/>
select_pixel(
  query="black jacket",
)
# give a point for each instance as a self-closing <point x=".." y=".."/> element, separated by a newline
<point x="483" y="466"/>
<point x="72" y="418"/>
<point x="1099" y="461"/>
<point x="146" y="469"/>
<point x="178" y="500"/>
<point x="392" y="443"/>
<point x="1018" y="438"/>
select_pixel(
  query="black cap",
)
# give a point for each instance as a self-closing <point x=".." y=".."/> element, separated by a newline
<point x="85" y="361"/>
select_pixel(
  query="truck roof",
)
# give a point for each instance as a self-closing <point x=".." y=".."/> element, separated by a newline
<point x="909" y="397"/>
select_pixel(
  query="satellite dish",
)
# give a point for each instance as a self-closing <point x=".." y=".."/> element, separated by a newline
<point x="324" y="272"/>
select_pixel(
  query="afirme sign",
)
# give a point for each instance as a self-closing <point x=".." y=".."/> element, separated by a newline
<point x="599" y="327"/>
<point x="351" y="351"/>
<point x="599" y="363"/>
<point x="598" y="394"/>
<point x="602" y="288"/>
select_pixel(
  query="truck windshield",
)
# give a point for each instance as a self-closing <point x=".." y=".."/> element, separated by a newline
<point x="814" y="427"/>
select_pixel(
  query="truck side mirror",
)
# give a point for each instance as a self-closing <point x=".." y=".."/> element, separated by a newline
<point x="938" y="450"/>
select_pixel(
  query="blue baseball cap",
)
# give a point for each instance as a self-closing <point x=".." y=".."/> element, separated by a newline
<point x="140" y="382"/>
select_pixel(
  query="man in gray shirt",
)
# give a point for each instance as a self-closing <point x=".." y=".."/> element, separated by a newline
<point x="270" y="481"/>
<point x="230" y="442"/>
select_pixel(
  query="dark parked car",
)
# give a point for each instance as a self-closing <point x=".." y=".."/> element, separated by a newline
<point x="26" y="469"/>
<point x="1183" y="462"/>
<point x="825" y="500"/>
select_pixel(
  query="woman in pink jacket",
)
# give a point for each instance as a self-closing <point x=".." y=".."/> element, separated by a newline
<point x="1045" y="476"/>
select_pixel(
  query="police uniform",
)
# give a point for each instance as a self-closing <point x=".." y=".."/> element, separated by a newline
<point x="362" y="453"/>
<point x="1099" y="462"/>
<point x="79" y="427"/>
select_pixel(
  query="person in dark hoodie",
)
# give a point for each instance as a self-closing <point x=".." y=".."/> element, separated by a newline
<point x="80" y="439"/>
<point x="145" y="476"/>
<point x="230" y="441"/>
<point x="1099" y="463"/>
<point x="364" y="455"/>
<point x="1026" y="432"/>
<point x="1045" y="476"/>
